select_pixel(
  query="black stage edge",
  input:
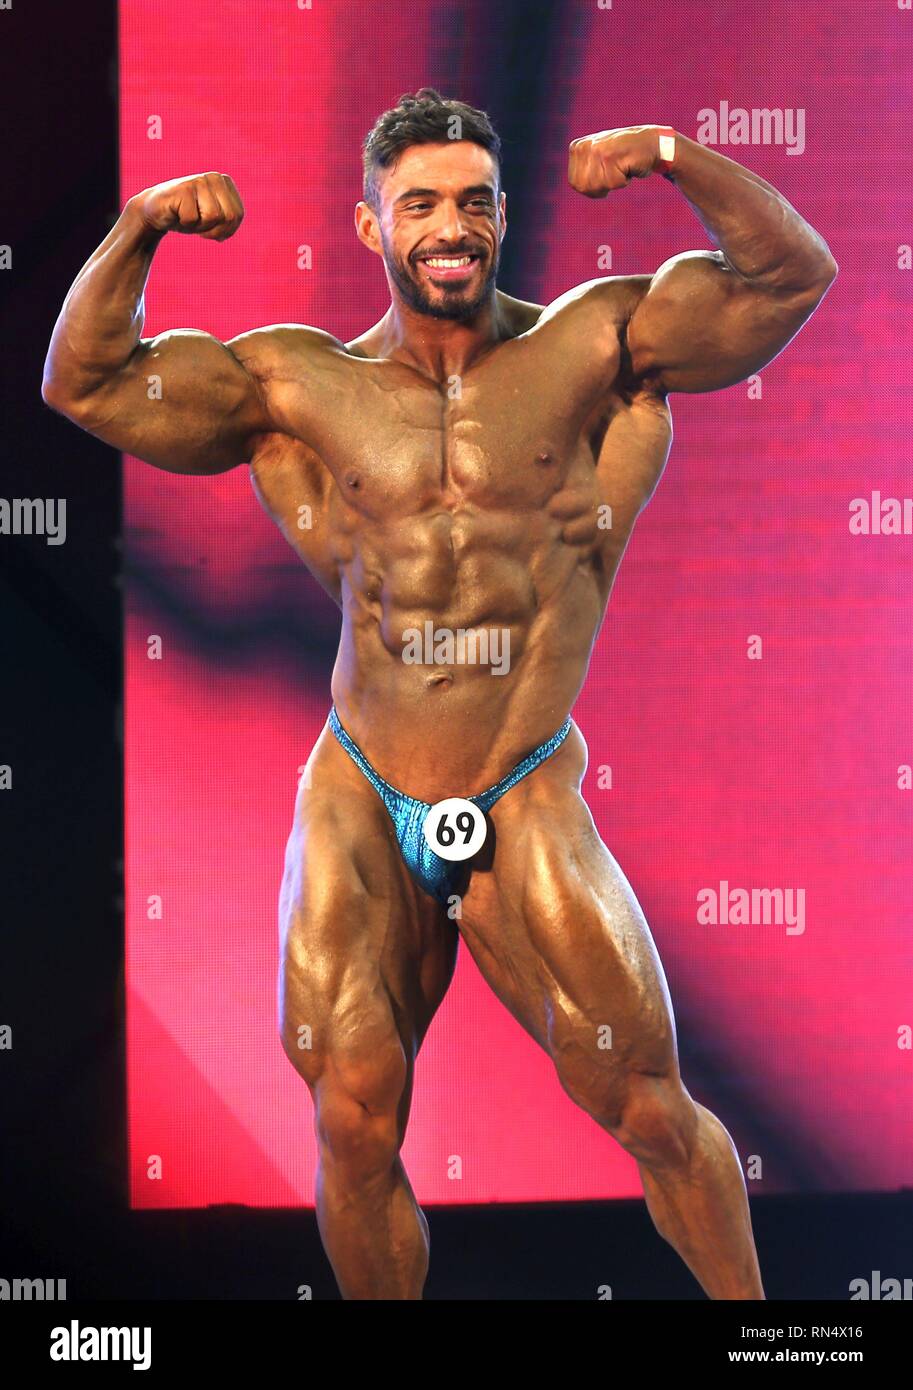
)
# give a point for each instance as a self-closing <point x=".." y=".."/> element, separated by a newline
<point x="62" y="1141"/>
<point x="63" y="1212"/>
<point x="810" y="1248"/>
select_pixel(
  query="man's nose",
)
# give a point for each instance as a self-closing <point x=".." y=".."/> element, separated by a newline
<point x="452" y="225"/>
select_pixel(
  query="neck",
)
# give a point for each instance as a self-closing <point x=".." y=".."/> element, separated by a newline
<point x="440" y="348"/>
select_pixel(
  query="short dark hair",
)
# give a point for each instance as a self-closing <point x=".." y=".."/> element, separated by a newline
<point x="422" y="119"/>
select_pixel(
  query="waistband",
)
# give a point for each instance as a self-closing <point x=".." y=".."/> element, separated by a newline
<point x="485" y="800"/>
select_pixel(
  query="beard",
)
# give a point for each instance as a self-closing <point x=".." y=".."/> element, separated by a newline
<point x="446" y="302"/>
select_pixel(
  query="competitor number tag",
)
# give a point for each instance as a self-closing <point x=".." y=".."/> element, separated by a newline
<point x="455" y="828"/>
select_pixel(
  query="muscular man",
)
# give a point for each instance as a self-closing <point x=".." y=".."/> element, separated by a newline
<point x="475" y="463"/>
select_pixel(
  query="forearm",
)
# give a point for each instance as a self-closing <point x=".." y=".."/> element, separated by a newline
<point x="761" y="235"/>
<point x="101" y="322"/>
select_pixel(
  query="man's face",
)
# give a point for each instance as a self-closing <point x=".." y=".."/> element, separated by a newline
<point x="439" y="222"/>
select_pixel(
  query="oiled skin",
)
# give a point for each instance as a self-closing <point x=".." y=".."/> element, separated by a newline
<point x="468" y="512"/>
<point x="463" y="474"/>
<point x="481" y="511"/>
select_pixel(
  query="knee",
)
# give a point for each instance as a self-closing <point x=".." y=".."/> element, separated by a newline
<point x="655" y="1121"/>
<point x="357" y="1111"/>
<point x="359" y="1143"/>
<point x="649" y="1113"/>
<point x="651" y="1116"/>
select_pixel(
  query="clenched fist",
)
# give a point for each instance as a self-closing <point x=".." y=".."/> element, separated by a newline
<point x="598" y="164"/>
<point x="206" y="205"/>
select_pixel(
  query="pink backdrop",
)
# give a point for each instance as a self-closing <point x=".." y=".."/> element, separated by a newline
<point x="772" y="773"/>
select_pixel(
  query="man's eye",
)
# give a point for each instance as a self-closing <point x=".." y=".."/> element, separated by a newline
<point x="418" y="207"/>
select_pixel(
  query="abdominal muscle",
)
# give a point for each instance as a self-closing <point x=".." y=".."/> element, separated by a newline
<point x="438" y="720"/>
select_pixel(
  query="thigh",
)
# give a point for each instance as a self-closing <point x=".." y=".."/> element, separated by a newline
<point x="365" y="956"/>
<point x="557" y="931"/>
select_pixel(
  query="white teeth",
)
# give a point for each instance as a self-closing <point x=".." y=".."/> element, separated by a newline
<point x="449" y="262"/>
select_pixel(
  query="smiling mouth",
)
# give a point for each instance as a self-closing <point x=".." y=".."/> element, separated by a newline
<point x="449" y="267"/>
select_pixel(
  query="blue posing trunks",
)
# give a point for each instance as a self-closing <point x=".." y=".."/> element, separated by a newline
<point x="437" y="876"/>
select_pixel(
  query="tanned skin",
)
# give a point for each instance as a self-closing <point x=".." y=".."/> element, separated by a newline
<point x="475" y="507"/>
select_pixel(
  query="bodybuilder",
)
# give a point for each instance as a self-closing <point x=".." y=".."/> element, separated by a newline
<point x="475" y="463"/>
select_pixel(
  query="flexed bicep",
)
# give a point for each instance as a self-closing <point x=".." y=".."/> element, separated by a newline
<point x="701" y="326"/>
<point x="183" y="402"/>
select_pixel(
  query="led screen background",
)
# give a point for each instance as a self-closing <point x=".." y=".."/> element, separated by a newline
<point x="772" y="773"/>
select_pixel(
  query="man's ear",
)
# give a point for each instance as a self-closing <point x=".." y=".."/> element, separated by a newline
<point x="366" y="227"/>
<point x="502" y="215"/>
